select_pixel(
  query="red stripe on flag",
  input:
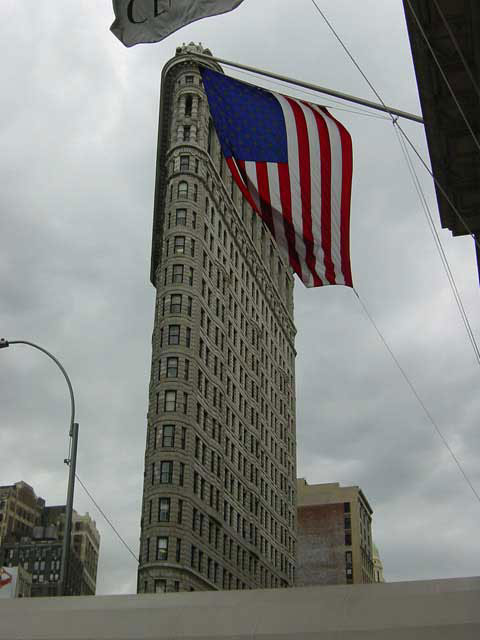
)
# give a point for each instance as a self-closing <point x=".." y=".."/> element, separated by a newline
<point x="264" y="195"/>
<point x="326" y="195"/>
<point x="347" y="170"/>
<point x="305" y="188"/>
<point x="286" y="201"/>
<point x="241" y="179"/>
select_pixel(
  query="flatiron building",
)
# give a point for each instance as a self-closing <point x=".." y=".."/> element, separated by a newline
<point x="219" y="495"/>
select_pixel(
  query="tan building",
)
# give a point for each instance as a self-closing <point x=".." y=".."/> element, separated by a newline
<point x="85" y="542"/>
<point x="334" y="535"/>
<point x="31" y="536"/>
<point x="20" y="510"/>
<point x="219" y="506"/>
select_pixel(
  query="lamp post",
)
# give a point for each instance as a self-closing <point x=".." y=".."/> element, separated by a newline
<point x="71" y="462"/>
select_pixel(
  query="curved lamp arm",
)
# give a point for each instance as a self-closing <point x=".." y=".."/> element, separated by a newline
<point x="71" y="462"/>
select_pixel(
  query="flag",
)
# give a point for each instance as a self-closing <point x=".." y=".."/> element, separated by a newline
<point x="139" y="21"/>
<point x="292" y="161"/>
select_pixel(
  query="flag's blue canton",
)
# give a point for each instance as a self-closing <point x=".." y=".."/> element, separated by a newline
<point x="248" y="120"/>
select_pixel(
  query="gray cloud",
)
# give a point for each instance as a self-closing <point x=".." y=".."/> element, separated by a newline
<point x="78" y="132"/>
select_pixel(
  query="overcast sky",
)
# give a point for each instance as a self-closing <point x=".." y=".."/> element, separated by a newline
<point x="78" y="130"/>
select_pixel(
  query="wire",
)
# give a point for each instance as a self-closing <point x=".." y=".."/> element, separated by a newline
<point x="417" y="396"/>
<point x="443" y="74"/>
<point x="344" y="47"/>
<point x="107" y="519"/>
<point x="109" y="522"/>
<point x="312" y="93"/>
<point x="439" y="246"/>
<point x="439" y="186"/>
<point x="441" y="252"/>
<point x="394" y="120"/>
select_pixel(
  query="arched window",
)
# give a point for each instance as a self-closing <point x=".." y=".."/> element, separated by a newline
<point x="182" y="189"/>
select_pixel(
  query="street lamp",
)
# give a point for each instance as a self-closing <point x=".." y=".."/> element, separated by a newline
<point x="71" y="462"/>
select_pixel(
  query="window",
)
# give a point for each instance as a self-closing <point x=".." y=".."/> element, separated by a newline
<point x="181" y="476"/>
<point x="160" y="586"/>
<point x="162" y="551"/>
<point x="175" y="303"/>
<point x="348" y="539"/>
<point x="180" y="512"/>
<point x="166" y="473"/>
<point x="170" y="402"/>
<point x="168" y="435"/>
<point x="182" y="191"/>
<point x="178" y="550"/>
<point x="188" y="337"/>
<point x="184" y="163"/>
<point x="195" y="192"/>
<point x="188" y="79"/>
<point x="177" y="273"/>
<point x="188" y="105"/>
<point x="172" y="367"/>
<point x="186" y="133"/>
<point x="183" y="437"/>
<point x="181" y="214"/>
<point x="174" y="334"/>
<point x="164" y="509"/>
<point x="179" y="244"/>
<point x="189" y="306"/>
<point x="187" y="369"/>
<point x="346" y="507"/>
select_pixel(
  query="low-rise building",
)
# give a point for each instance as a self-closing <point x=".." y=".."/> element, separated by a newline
<point x="334" y="535"/>
<point x="20" y="510"/>
<point x="31" y="538"/>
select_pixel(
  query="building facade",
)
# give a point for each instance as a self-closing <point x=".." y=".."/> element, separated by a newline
<point x="334" y="535"/>
<point x="219" y="496"/>
<point x="20" y="510"/>
<point x="32" y="540"/>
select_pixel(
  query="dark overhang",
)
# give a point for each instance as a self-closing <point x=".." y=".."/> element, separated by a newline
<point x="452" y="28"/>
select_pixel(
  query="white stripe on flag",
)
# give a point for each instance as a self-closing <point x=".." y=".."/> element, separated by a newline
<point x="251" y="171"/>
<point x="336" y="193"/>
<point x="316" y="189"/>
<point x="277" y="214"/>
<point x="294" y="170"/>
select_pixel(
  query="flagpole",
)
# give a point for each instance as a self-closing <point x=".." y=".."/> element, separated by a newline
<point x="314" y="87"/>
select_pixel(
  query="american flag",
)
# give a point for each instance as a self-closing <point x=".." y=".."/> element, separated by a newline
<point x="292" y="161"/>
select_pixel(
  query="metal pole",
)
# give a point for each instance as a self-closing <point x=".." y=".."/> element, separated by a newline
<point x="67" y="534"/>
<point x="314" y="87"/>
<point x="73" y="433"/>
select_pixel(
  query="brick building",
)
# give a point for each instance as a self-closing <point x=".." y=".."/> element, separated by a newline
<point x="334" y="535"/>
<point x="219" y="506"/>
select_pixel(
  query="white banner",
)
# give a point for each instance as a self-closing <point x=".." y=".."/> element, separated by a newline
<point x="8" y="581"/>
<point x="139" y="21"/>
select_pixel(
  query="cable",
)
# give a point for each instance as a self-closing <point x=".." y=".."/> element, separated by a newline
<point x="441" y="189"/>
<point x="439" y="246"/>
<point x="344" y="47"/>
<point x="417" y="396"/>
<point x="137" y="560"/>
<point x="442" y="73"/>
<point x="442" y="256"/>
<point x="437" y="183"/>
<point x="357" y="111"/>
<point x="107" y="519"/>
